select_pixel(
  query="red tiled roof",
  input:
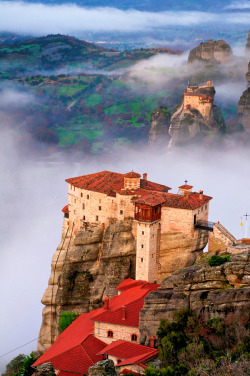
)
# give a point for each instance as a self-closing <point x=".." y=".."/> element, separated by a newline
<point x="152" y="199"/>
<point x="77" y="359"/>
<point x="130" y="352"/>
<point x="185" y="186"/>
<point x="75" y="349"/>
<point x="65" y="209"/>
<point x="132" y="174"/>
<point x="129" y="283"/>
<point x="67" y="373"/>
<point x="192" y="201"/>
<point x="109" y="182"/>
<point x="133" y="299"/>
<point x="150" y="186"/>
<point x="126" y="370"/>
<point x="72" y="337"/>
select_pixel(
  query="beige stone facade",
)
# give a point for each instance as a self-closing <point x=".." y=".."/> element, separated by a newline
<point x="154" y="218"/>
<point x="198" y="101"/>
<point x="147" y="257"/>
<point x="123" y="332"/>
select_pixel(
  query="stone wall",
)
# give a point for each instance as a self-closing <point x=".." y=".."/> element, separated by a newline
<point x="146" y="256"/>
<point x="119" y="332"/>
<point x="219" y="239"/>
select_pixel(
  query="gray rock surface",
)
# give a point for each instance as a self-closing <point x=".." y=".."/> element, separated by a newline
<point x="209" y="291"/>
<point x="211" y="51"/>
<point x="90" y="269"/>
<point x="160" y="121"/>
<point x="103" y="368"/>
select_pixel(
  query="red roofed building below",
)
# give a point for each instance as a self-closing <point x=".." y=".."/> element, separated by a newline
<point x="111" y="331"/>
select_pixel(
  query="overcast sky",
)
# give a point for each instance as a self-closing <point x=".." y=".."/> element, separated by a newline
<point x="41" y="19"/>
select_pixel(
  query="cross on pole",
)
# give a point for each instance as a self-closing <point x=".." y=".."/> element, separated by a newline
<point x="246" y="215"/>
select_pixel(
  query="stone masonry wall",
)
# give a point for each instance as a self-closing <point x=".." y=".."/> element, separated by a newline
<point x="119" y="332"/>
<point x="146" y="256"/>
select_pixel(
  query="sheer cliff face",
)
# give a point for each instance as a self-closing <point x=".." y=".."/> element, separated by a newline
<point x="84" y="270"/>
<point x="208" y="291"/>
<point x="160" y="121"/>
<point x="243" y="112"/>
<point x="211" y="51"/>
<point x="248" y="45"/>
<point x="191" y="124"/>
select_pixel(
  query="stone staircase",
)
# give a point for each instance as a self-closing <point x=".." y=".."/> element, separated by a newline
<point x="225" y="232"/>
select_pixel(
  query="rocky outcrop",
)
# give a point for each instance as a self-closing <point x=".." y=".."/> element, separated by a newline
<point x="84" y="270"/>
<point x="248" y="44"/>
<point x="45" y="369"/>
<point x="178" y="250"/>
<point x="160" y="121"/>
<point x="209" y="291"/>
<point x="186" y="125"/>
<point x="243" y="111"/>
<point x="211" y="51"/>
<point x="103" y="368"/>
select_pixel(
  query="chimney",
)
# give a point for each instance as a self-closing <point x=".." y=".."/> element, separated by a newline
<point x="124" y="313"/>
<point x="152" y="342"/>
<point x="201" y="195"/>
<point x="106" y="303"/>
<point x="145" y="176"/>
<point x="185" y="195"/>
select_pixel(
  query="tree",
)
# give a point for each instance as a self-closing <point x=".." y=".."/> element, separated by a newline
<point x="14" y="365"/>
<point x="66" y="319"/>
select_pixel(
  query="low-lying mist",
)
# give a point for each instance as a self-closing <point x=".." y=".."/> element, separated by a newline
<point x="33" y="192"/>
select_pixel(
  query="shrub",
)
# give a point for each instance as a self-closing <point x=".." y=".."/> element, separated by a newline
<point x="66" y="319"/>
<point x="218" y="260"/>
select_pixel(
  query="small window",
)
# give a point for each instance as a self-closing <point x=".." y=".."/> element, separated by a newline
<point x="100" y="208"/>
<point x="110" y="334"/>
<point x="152" y="255"/>
<point x="205" y="206"/>
<point x="87" y="197"/>
<point x="74" y="188"/>
<point x="134" y="337"/>
<point x="121" y="211"/>
<point x="141" y="259"/>
<point x="81" y="194"/>
<point x="84" y="218"/>
<point x="96" y="218"/>
<point x="142" y="232"/>
<point x="75" y="200"/>
<point x="202" y="209"/>
<point x="83" y="206"/>
<point x="142" y="245"/>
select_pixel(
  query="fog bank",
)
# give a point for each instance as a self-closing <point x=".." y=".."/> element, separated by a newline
<point x="33" y="193"/>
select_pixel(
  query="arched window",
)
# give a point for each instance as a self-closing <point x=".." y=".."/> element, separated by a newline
<point x="110" y="334"/>
<point x="133" y="337"/>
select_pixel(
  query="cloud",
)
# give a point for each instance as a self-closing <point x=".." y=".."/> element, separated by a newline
<point x="13" y="97"/>
<point x="238" y="5"/>
<point x="40" y="19"/>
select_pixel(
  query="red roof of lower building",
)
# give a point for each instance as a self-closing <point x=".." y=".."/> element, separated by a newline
<point x="129" y="283"/>
<point x="76" y="347"/>
<point x="132" y="299"/>
<point x="129" y="352"/>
